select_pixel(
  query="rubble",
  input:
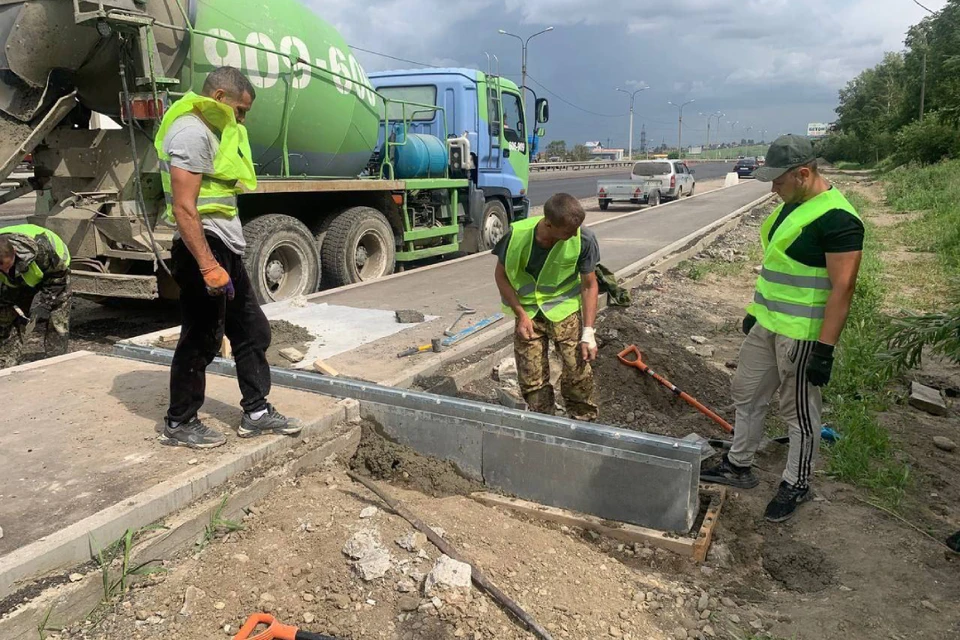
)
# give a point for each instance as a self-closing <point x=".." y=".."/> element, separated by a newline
<point x="927" y="399"/>
<point x="447" y="573"/>
<point x="372" y="559"/>
<point x="409" y="316"/>
<point x="945" y="444"/>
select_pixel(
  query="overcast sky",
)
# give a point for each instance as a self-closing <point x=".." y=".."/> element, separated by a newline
<point x="770" y="64"/>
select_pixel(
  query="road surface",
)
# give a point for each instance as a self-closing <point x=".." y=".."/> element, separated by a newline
<point x="586" y="186"/>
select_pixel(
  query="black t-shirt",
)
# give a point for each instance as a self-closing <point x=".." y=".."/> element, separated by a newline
<point x="836" y="231"/>
<point x="589" y="253"/>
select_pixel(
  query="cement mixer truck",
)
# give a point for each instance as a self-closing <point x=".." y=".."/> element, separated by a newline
<point x="357" y="175"/>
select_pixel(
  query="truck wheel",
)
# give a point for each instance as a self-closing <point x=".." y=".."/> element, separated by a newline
<point x="358" y="246"/>
<point x="692" y="189"/>
<point x="653" y="199"/>
<point x="604" y="205"/>
<point x="494" y="224"/>
<point x="281" y="258"/>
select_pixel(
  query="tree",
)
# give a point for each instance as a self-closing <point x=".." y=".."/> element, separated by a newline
<point x="557" y="148"/>
<point x="580" y="153"/>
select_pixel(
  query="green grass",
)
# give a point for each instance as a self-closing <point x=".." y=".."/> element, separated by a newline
<point x="864" y="456"/>
<point x="122" y="550"/>
<point x="698" y="270"/>
<point x="732" y="152"/>
<point x="218" y="525"/>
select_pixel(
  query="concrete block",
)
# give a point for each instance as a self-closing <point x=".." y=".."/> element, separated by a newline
<point x="409" y="316"/>
<point x="927" y="399"/>
<point x="511" y="398"/>
<point x="351" y="410"/>
<point x="731" y="180"/>
<point x="291" y="354"/>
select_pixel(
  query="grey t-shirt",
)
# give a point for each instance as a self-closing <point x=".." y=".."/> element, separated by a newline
<point x="192" y="146"/>
<point x="589" y="253"/>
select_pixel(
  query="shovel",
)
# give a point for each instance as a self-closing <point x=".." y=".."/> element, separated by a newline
<point x="275" y="630"/>
<point x="683" y="395"/>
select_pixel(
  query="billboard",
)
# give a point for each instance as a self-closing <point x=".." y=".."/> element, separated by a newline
<point x="817" y="129"/>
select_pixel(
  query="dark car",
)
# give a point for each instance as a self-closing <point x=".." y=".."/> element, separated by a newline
<point x="746" y="167"/>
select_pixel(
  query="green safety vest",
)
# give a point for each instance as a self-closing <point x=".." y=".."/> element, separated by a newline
<point x="791" y="298"/>
<point x="33" y="275"/>
<point x="233" y="162"/>
<point x="556" y="292"/>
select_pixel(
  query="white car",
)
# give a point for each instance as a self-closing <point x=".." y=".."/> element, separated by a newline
<point x="675" y="177"/>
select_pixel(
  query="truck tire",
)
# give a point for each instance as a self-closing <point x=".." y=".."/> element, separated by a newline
<point x="604" y="205"/>
<point x="690" y="195"/>
<point x="493" y="224"/>
<point x="281" y="258"/>
<point x="653" y="199"/>
<point x="358" y="246"/>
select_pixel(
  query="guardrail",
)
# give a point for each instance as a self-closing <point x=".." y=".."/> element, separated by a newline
<point x="606" y="164"/>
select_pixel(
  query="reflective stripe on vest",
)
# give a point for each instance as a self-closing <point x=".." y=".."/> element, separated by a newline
<point x="556" y="292"/>
<point x="232" y="164"/>
<point x="791" y="297"/>
<point x="34" y="275"/>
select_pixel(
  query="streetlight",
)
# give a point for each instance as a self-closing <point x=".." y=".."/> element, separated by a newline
<point x="632" y="98"/>
<point x="733" y="125"/>
<point x="680" y="126"/>
<point x="710" y="116"/>
<point x="523" y="72"/>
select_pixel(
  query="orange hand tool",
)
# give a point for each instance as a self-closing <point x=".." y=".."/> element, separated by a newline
<point x="275" y="630"/>
<point x="686" y="397"/>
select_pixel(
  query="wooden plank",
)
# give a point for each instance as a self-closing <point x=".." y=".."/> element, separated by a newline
<point x="325" y="369"/>
<point x="616" y="530"/>
<point x="267" y="185"/>
<point x="701" y="546"/>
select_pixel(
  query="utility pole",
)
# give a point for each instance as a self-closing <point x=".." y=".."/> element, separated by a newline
<point x="680" y="126"/>
<point x="643" y="140"/>
<point x="923" y="82"/>
<point x="632" y="98"/>
<point x="523" y="65"/>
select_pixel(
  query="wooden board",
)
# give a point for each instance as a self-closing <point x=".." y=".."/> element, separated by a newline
<point x="325" y="369"/>
<point x="695" y="548"/>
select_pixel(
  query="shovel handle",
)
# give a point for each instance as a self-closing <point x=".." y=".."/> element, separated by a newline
<point x="637" y="362"/>
<point x="275" y="629"/>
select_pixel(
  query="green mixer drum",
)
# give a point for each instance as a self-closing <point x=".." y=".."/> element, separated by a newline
<point x="333" y="122"/>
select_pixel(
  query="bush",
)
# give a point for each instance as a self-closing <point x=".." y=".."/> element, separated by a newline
<point x="927" y="142"/>
<point x="673" y="155"/>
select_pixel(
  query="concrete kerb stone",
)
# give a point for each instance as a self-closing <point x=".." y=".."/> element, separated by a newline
<point x="73" y="601"/>
<point x="71" y="546"/>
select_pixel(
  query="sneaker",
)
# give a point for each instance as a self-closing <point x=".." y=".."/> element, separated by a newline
<point x="954" y="542"/>
<point x="725" y="472"/>
<point x="271" y="422"/>
<point x="785" y="503"/>
<point x="192" y="433"/>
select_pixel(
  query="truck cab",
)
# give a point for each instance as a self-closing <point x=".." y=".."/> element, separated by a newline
<point x="488" y="111"/>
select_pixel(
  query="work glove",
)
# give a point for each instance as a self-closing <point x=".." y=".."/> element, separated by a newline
<point x="20" y="319"/>
<point x="820" y="365"/>
<point x="588" y="344"/>
<point x="218" y="281"/>
<point x="748" y="322"/>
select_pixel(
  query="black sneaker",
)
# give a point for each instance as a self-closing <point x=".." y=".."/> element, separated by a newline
<point x="192" y="433"/>
<point x="271" y="422"/>
<point x="785" y="503"/>
<point x="954" y="542"/>
<point x="725" y="472"/>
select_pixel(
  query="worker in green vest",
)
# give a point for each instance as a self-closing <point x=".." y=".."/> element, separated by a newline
<point x="812" y="246"/>
<point x="205" y="157"/>
<point x="34" y="289"/>
<point x="547" y="281"/>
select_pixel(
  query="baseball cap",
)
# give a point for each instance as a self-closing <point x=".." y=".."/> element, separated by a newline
<point x="787" y="152"/>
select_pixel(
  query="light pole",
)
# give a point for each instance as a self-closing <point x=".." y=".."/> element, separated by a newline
<point x="632" y="98"/>
<point x="733" y="126"/>
<point x="523" y="60"/>
<point x="680" y="126"/>
<point x="710" y="116"/>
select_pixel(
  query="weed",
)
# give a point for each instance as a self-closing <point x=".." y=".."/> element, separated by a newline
<point x="219" y="525"/>
<point x="44" y="625"/>
<point x="122" y="550"/>
<point x="698" y="270"/>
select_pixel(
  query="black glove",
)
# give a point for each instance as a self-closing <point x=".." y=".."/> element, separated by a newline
<point x="820" y="365"/>
<point x="748" y="322"/>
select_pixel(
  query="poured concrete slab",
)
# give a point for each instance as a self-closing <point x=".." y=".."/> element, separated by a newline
<point x="79" y="439"/>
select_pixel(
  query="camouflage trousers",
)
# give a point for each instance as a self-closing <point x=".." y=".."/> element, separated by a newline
<point x="533" y="368"/>
<point x="56" y="329"/>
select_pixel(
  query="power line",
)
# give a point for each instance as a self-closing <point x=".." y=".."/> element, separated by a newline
<point x="927" y="9"/>
<point x="565" y="101"/>
<point x="384" y="55"/>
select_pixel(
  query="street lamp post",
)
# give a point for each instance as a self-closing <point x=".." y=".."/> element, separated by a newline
<point x="710" y="116"/>
<point x="523" y="61"/>
<point x="632" y="98"/>
<point x="680" y="126"/>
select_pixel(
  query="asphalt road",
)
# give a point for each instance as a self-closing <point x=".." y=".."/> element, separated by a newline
<point x="584" y="187"/>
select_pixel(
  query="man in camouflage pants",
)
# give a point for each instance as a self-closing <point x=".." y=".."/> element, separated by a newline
<point x="547" y="280"/>
<point x="34" y="289"/>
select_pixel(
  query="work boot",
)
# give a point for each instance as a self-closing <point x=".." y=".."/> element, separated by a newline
<point x="954" y="542"/>
<point x="271" y="422"/>
<point x="725" y="472"/>
<point x="785" y="503"/>
<point x="192" y="433"/>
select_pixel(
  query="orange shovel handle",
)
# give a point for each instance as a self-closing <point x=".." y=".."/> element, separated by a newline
<point x="686" y="397"/>
<point x="275" y="630"/>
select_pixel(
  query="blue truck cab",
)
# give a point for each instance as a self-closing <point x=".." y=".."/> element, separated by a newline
<point x="486" y="110"/>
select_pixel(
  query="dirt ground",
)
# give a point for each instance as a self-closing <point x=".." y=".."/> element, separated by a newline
<point x="840" y="569"/>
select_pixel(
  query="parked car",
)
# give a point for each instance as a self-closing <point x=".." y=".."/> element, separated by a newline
<point x="651" y="182"/>
<point x="746" y="167"/>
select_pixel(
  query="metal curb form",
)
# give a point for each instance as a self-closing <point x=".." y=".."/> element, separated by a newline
<point x="611" y="473"/>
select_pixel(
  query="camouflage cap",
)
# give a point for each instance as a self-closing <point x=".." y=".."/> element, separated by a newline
<point x="787" y="152"/>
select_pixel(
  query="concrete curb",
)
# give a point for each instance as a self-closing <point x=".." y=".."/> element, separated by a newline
<point x="74" y="601"/>
<point x="72" y="545"/>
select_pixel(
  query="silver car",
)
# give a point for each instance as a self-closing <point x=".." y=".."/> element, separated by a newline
<point x="676" y="178"/>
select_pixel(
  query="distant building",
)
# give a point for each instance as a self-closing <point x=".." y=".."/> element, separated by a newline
<point x="599" y="153"/>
